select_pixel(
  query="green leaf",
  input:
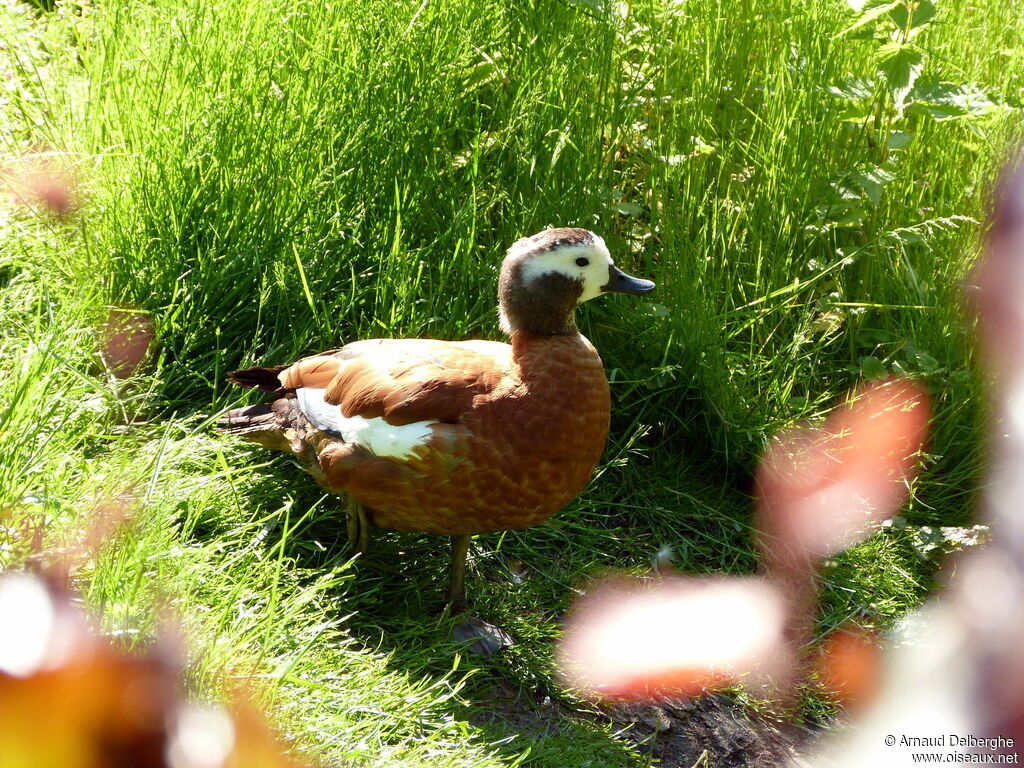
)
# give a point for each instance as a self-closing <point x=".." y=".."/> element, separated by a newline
<point x="944" y="100"/>
<point x="868" y="13"/>
<point x="626" y="209"/>
<point x="866" y="32"/>
<point x="852" y="89"/>
<point x="862" y="6"/>
<point x="899" y="140"/>
<point x="923" y="13"/>
<point x="846" y="196"/>
<point x="871" y="181"/>
<point x="922" y="361"/>
<point x="900" y="65"/>
<point x="873" y="368"/>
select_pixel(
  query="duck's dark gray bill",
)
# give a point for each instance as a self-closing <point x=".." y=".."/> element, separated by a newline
<point x="620" y="282"/>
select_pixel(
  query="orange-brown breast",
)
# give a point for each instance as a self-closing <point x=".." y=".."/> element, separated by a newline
<point x="522" y="446"/>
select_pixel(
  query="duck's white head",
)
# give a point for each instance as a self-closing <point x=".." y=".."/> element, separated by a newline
<point x="546" y="276"/>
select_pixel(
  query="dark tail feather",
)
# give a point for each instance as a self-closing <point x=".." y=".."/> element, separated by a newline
<point x="263" y="379"/>
<point x="278" y="425"/>
<point x="252" y="418"/>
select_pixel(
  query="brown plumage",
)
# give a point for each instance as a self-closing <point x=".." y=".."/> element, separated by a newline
<point x="457" y="438"/>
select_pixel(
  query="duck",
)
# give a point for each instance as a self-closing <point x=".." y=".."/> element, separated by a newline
<point x="456" y="438"/>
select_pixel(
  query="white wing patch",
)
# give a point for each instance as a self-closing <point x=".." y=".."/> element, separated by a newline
<point x="323" y="416"/>
<point x="375" y="435"/>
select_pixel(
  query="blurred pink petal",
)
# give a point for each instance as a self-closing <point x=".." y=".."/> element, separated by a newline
<point x="677" y="636"/>
<point x="126" y="339"/>
<point x="1000" y="276"/>
<point x="42" y="179"/>
<point x="820" y="491"/>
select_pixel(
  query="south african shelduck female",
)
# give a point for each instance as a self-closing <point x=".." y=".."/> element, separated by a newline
<point x="456" y="437"/>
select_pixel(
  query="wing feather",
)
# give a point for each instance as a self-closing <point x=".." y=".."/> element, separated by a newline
<point x="404" y="381"/>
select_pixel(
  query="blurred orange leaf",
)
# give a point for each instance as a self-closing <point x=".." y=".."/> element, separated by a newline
<point x="820" y="490"/>
<point x="850" y="666"/>
<point x="69" y="699"/>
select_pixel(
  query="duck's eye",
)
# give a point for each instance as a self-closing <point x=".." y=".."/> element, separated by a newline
<point x="582" y="262"/>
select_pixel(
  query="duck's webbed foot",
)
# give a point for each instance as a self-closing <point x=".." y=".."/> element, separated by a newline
<point x="487" y="639"/>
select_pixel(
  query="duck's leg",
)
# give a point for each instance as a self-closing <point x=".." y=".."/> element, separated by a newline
<point x="358" y="525"/>
<point x="482" y="638"/>
<point x="457" y="576"/>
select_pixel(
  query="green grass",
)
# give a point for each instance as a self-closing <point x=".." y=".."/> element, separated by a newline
<point x="267" y="180"/>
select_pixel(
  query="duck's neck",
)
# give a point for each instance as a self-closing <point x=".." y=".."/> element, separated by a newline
<point x="538" y="322"/>
<point x="543" y="327"/>
<point x="542" y="308"/>
<point x="529" y="349"/>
